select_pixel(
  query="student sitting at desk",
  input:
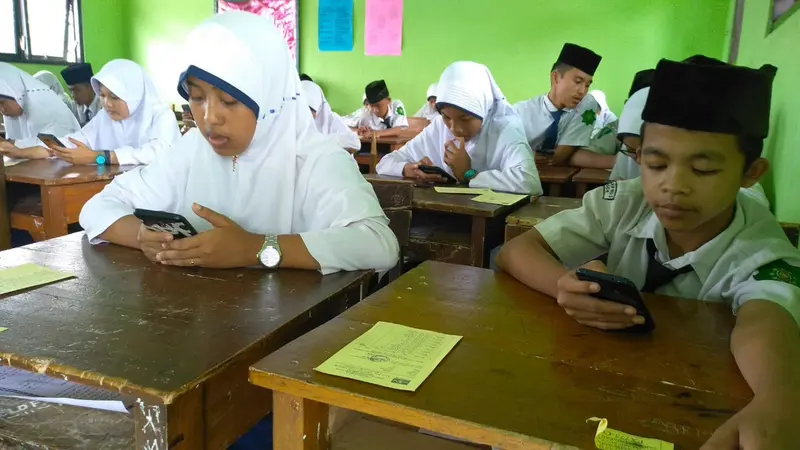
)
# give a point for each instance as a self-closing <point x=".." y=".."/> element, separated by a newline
<point x="561" y="122"/>
<point x="51" y="81"/>
<point x="428" y="111"/>
<point x="79" y="80"/>
<point x="478" y="138"/>
<point x="384" y="115"/>
<point x="133" y="126"/>
<point x="29" y="108"/>
<point x="255" y="178"/>
<point x="328" y="122"/>
<point x="686" y="229"/>
<point x="352" y="119"/>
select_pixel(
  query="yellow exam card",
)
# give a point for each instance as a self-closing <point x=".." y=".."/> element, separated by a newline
<point x="499" y="198"/>
<point x="391" y="355"/>
<point x="610" y="439"/>
<point x="460" y="190"/>
<point x="26" y="276"/>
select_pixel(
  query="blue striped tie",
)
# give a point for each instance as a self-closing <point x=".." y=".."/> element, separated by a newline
<point x="551" y="135"/>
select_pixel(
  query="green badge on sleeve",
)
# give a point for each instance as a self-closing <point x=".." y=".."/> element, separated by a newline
<point x="589" y="117"/>
<point x="400" y="111"/>
<point x="779" y="270"/>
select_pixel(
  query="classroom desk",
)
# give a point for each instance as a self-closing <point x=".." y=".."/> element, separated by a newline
<point x="372" y="150"/>
<point x="589" y="179"/>
<point x="524" y="376"/>
<point x="179" y="340"/>
<point x="555" y="177"/>
<point x="63" y="189"/>
<point x="528" y="216"/>
<point x="453" y="228"/>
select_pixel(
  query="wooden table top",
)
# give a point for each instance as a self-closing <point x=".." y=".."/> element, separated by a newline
<point x="593" y="176"/>
<point x="427" y="199"/>
<point x="51" y="172"/>
<point x="525" y="375"/>
<point x="402" y="138"/>
<point x="544" y="207"/>
<point x="144" y="329"/>
<point x="556" y="174"/>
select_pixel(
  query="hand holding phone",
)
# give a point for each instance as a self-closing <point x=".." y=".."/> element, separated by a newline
<point x="50" y="140"/>
<point x="597" y="299"/>
<point x="164" y="222"/>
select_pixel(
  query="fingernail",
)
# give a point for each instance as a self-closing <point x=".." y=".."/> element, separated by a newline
<point x="630" y="311"/>
<point x="158" y="256"/>
<point x="595" y="287"/>
<point x="164" y="246"/>
<point x="639" y="320"/>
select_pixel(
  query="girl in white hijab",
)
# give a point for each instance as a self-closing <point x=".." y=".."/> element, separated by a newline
<point x="428" y="111"/>
<point x="29" y="108"/>
<point x="479" y="138"/>
<point x="51" y="81"/>
<point x="132" y="128"/>
<point x="327" y="121"/>
<point x="255" y="178"/>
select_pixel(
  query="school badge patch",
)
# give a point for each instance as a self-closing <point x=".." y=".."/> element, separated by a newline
<point x="400" y="111"/>
<point x="610" y="191"/>
<point x="779" y="271"/>
<point x="589" y="117"/>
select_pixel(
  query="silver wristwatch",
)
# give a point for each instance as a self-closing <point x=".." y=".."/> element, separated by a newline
<point x="270" y="254"/>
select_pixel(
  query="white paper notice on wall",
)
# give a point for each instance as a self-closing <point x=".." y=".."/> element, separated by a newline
<point x="383" y="28"/>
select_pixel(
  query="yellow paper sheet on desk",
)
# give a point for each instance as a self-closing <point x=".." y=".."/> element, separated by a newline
<point x="460" y="190"/>
<point x="499" y="198"/>
<point x="27" y="276"/>
<point x="610" y="439"/>
<point x="391" y="355"/>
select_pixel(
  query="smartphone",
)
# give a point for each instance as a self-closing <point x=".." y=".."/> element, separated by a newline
<point x="186" y="108"/>
<point x="164" y="222"/>
<point x="50" y="140"/>
<point x="619" y="290"/>
<point x="433" y="170"/>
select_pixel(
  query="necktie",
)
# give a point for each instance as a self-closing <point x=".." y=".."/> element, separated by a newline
<point x="551" y="135"/>
<point x="388" y="122"/>
<point x="88" y="114"/>
<point x="657" y="274"/>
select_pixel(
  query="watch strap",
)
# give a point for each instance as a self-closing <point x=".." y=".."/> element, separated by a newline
<point x="270" y="240"/>
<point x="107" y="154"/>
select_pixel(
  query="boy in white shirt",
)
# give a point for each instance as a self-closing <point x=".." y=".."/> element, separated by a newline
<point x="686" y="229"/>
<point x="384" y="115"/>
<point x="561" y="122"/>
<point x="79" y="80"/>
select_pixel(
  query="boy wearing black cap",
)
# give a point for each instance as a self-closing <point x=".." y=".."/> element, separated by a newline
<point x="79" y="80"/>
<point x="383" y="115"/>
<point x="686" y="229"/>
<point x="561" y="122"/>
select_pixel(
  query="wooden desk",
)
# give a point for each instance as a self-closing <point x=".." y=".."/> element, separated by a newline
<point x="179" y="340"/>
<point x="555" y="177"/>
<point x="372" y="150"/>
<point x="588" y="179"/>
<point x="525" y="375"/>
<point x="63" y="189"/>
<point x="453" y="228"/>
<point x="531" y="214"/>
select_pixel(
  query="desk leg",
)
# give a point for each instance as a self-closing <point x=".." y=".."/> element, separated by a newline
<point x="177" y="426"/>
<point x="150" y="426"/>
<point x="555" y="190"/>
<point x="580" y="190"/>
<point x="298" y="423"/>
<point x="54" y="211"/>
<point x="478" y="240"/>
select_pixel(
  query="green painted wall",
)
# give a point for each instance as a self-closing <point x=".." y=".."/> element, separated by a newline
<point x="104" y="35"/>
<point x="780" y="49"/>
<point x="518" y="40"/>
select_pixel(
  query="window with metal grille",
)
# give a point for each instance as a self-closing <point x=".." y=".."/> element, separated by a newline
<point x="41" y="31"/>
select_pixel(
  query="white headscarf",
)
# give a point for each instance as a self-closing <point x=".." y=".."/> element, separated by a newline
<point x="606" y="116"/>
<point x="51" y="81"/>
<point x="42" y="110"/>
<point x="149" y="117"/>
<point x="290" y="179"/>
<point x="328" y="122"/>
<point x="499" y="152"/>
<point x="630" y="122"/>
<point x="427" y="111"/>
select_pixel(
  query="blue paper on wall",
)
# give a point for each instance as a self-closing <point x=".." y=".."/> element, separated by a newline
<point x="335" y="25"/>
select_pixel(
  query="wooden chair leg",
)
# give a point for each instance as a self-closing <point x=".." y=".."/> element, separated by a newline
<point x="373" y="152"/>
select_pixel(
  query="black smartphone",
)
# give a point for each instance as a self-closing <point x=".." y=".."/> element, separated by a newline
<point x="164" y="222"/>
<point x="433" y="170"/>
<point x="186" y="108"/>
<point x="620" y="290"/>
<point x="50" y="140"/>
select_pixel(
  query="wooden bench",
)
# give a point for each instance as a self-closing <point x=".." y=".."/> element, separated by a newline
<point x="5" y="227"/>
<point x="395" y="197"/>
<point x="531" y="214"/>
<point x="555" y="178"/>
<point x="373" y="149"/>
<point x="587" y="179"/>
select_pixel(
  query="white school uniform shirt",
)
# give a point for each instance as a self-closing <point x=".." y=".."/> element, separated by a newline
<point x="396" y="115"/>
<point x="150" y="129"/>
<point x="328" y="122"/>
<point x="499" y="152"/>
<point x="574" y="128"/>
<point x="625" y="168"/>
<point x="427" y="111"/>
<point x="51" y="81"/>
<point x="92" y="109"/>
<point x="290" y="180"/>
<point x="734" y="267"/>
<point x="42" y="110"/>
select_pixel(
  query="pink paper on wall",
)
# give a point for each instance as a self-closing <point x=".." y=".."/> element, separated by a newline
<point x="383" y="34"/>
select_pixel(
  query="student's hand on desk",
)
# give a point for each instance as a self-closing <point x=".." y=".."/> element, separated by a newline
<point x="575" y="297"/>
<point x="456" y="156"/>
<point x="80" y="155"/>
<point x="152" y="242"/>
<point x="227" y="245"/>
<point x="764" y="424"/>
<point x="364" y="132"/>
<point x="411" y="170"/>
<point x="24" y="153"/>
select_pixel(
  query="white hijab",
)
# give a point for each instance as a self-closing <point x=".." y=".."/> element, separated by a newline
<point x="328" y="122"/>
<point x="50" y="80"/>
<point x="42" y="110"/>
<point x="427" y="111"/>
<point x="128" y="81"/>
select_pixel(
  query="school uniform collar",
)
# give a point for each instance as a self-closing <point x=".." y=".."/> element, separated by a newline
<point x="551" y="107"/>
<point x="703" y="259"/>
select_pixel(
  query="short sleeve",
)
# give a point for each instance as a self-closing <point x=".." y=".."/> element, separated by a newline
<point x="400" y="115"/>
<point x="577" y="132"/>
<point x="778" y="282"/>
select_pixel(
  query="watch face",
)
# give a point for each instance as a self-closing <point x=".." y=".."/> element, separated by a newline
<point x="101" y="159"/>
<point x="270" y="257"/>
